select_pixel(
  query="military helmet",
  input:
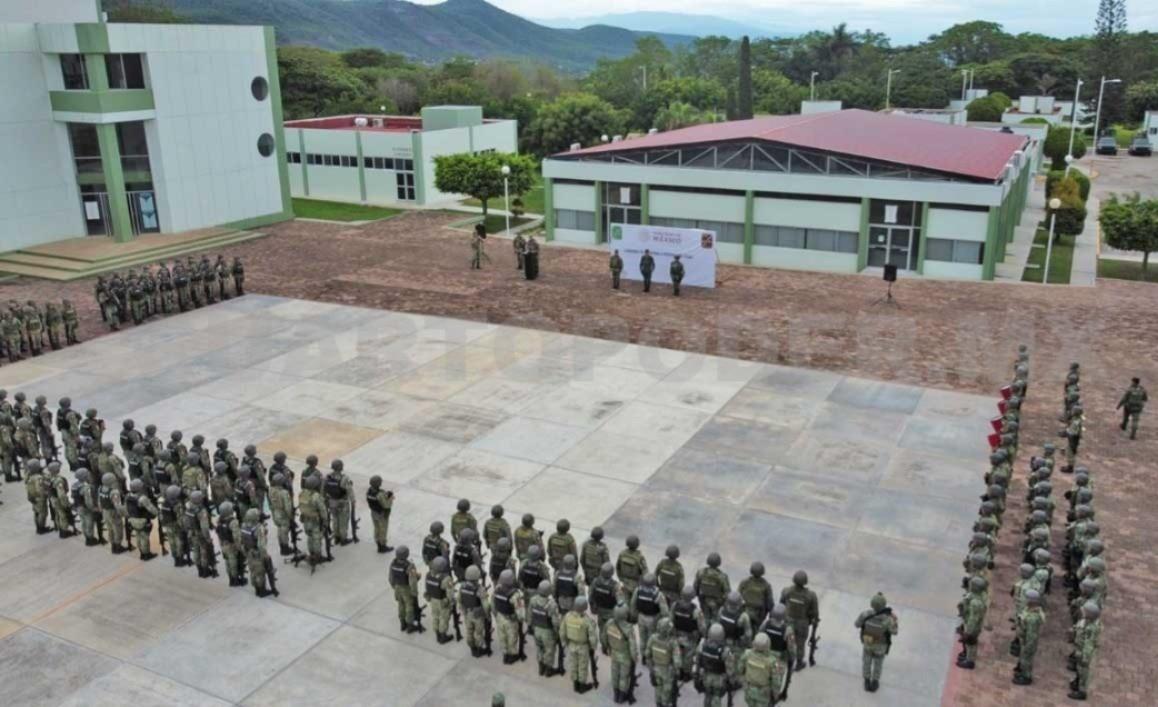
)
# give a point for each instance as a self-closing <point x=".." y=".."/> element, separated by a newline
<point x="800" y="578"/>
<point x="54" y="468"/>
<point x="250" y="450"/>
<point x="1039" y="517"/>
<point x="756" y="569"/>
<point x="41" y="400"/>
<point x="976" y="561"/>
<point x="438" y="565"/>
<point x="607" y="571"/>
<point x="139" y="448"/>
<point x="663" y="626"/>
<point x="1082" y="511"/>
<point x="466" y="536"/>
<point x="1025" y="570"/>
<point x="33" y="466"/>
<point x="1040" y="534"/>
<point x="545" y="588"/>
<point x="597" y="533"/>
<point x="82" y="474"/>
<point x="1091" y="610"/>
<point x="252" y="516"/>
<point x="761" y="643"/>
<point x="563" y="525"/>
<point x="1081" y="478"/>
<point x="337" y="465"/>
<point x="108" y="447"/>
<point x="221" y="443"/>
<point x="402" y="552"/>
<point x="997" y="457"/>
<point x="225" y="509"/>
<point x="463" y="505"/>
<point x="569" y="562"/>
<point x="197" y="497"/>
<point x="279" y="457"/>
<point x="648" y="580"/>
<point x="980" y="539"/>
<point x="621" y="612"/>
<point x="311" y="482"/>
<point x="20" y="397"/>
<point x="528" y="520"/>
<point x="1032" y="597"/>
<point x="1085" y="495"/>
<point x="220" y="467"/>
<point x="978" y="584"/>
<point x="1088" y="586"/>
<point x="193" y="459"/>
<point x="716" y="632"/>
<point x="278" y="480"/>
<point x="633" y="542"/>
<point x="687" y="593"/>
<point x="673" y="552"/>
<point x="579" y="605"/>
<point x="1094" y="547"/>
<point x="244" y="471"/>
<point x="714" y="560"/>
<point x="987" y="508"/>
<point x="66" y="402"/>
<point x="375" y="481"/>
<point x="534" y="552"/>
<point x="733" y="599"/>
<point x="127" y="424"/>
<point x="108" y="480"/>
<point x="996" y="491"/>
<point x="1096" y="564"/>
<point x="472" y="573"/>
<point x="1043" y="488"/>
<point x="1077" y="410"/>
<point x="504" y="544"/>
<point x="878" y="602"/>
<point x="1041" y="556"/>
<point x="136" y="486"/>
<point x="312" y="460"/>
<point x="436" y="528"/>
<point x="175" y="435"/>
<point x="198" y="440"/>
<point x="779" y="613"/>
<point x="507" y="579"/>
<point x="496" y="511"/>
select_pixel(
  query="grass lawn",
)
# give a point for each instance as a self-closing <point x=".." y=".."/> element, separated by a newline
<point x="1127" y="270"/>
<point x="532" y="200"/>
<point x="339" y="211"/>
<point x="1062" y="257"/>
<point x="496" y="223"/>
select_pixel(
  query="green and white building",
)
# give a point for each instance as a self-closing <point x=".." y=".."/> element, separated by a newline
<point x="121" y="129"/>
<point x="383" y="159"/>
<point x="840" y="191"/>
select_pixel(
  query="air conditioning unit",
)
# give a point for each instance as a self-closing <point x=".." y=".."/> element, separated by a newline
<point x="576" y="146"/>
<point x="616" y="138"/>
<point x="653" y="131"/>
<point x="378" y="123"/>
<point x="360" y="122"/>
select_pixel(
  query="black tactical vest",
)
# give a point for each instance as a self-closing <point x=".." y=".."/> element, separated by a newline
<point x="399" y="573"/>
<point x="565" y="584"/>
<point x="249" y="537"/>
<point x="603" y="593"/>
<point x="372" y="502"/>
<point x="712" y="658"/>
<point x="539" y="616"/>
<point x="434" y="588"/>
<point x="468" y="594"/>
<point x="530" y="575"/>
<point x="504" y="601"/>
<point x="647" y="601"/>
<point x="334" y="488"/>
<point x="431" y="548"/>
<point x="683" y="617"/>
<point x="731" y="623"/>
<point x="777" y="637"/>
<point x="224" y="532"/>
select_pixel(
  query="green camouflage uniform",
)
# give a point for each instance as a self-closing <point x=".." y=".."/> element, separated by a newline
<point x="663" y="656"/>
<point x="877" y="628"/>
<point x="545" y="620"/>
<point x="313" y="513"/>
<point x="404" y="579"/>
<point x="37" y="489"/>
<point x="1132" y="404"/>
<point x="380" y="502"/>
<point x="1030" y="622"/>
<point x="712" y="587"/>
<point x="803" y="612"/>
<point x="630" y="567"/>
<point x="476" y="610"/>
<point x="592" y="556"/>
<point x="580" y="637"/>
<point x="619" y="638"/>
<point x="255" y="544"/>
<point x="439" y="592"/>
<point x="507" y="604"/>
<point x="1087" y="637"/>
<point x="762" y="674"/>
<point x="712" y="661"/>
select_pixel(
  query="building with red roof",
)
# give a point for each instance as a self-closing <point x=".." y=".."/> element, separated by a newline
<point x="838" y="191"/>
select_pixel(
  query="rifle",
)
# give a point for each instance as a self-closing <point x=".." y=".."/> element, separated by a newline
<point x="489" y="632"/>
<point x="812" y="643"/>
<point x="99" y="519"/>
<point x="212" y="558"/>
<point x="270" y="574"/>
<point x="522" y="643"/>
<point x="353" y="519"/>
<point x="457" y="620"/>
<point x="787" y="682"/>
<point x="559" y="670"/>
<point x="729" y="691"/>
<point x="635" y="681"/>
<point x="419" y="611"/>
<point x="326" y="532"/>
<point x="594" y="668"/>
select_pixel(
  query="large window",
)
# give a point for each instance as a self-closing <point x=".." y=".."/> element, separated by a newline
<point x="125" y="71"/>
<point x="726" y="231"/>
<point x="575" y="220"/>
<point x="73" y="68"/>
<point x="134" y="148"/>
<point x="954" y="251"/>
<point x="86" y="149"/>
<point x="378" y="162"/>
<point x="405" y="184"/>
<point x="821" y="239"/>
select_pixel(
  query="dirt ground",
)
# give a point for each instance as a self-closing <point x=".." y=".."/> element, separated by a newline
<point x="953" y="335"/>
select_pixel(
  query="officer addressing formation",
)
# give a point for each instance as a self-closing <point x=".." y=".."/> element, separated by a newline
<point x="571" y="600"/>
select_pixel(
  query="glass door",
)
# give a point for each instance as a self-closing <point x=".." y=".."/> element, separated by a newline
<point x="900" y="240"/>
<point x="95" y="210"/>
<point x="892" y="245"/>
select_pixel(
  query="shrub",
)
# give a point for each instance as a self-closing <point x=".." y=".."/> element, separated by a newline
<point x="1071" y="215"/>
<point x="1056" y="176"/>
<point x="986" y="110"/>
<point x="1057" y="143"/>
<point x="1035" y="121"/>
<point x="1005" y="101"/>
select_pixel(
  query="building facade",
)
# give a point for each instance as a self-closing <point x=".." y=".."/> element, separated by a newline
<point x="121" y="129"/>
<point x="839" y="191"/>
<point x="380" y="159"/>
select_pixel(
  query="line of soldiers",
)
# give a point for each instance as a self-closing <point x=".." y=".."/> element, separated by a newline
<point x="29" y="330"/>
<point x="573" y="601"/>
<point x="646" y="270"/>
<point x="185" y="286"/>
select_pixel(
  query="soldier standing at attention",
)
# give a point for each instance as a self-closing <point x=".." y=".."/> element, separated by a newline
<point x="593" y="555"/>
<point x="496" y="527"/>
<point x="568" y="584"/>
<point x="476" y="609"/>
<point x="476" y="246"/>
<point x="229" y="536"/>
<point x="238" y="272"/>
<point x="1132" y="403"/>
<point x="616" y="269"/>
<point x="647" y="606"/>
<point x="281" y="505"/>
<point x="677" y="275"/>
<point x="55" y="324"/>
<point x="461" y="519"/>
<point x="761" y="673"/>
<point x="973" y="620"/>
<point x="1030" y="622"/>
<point x="465" y="554"/>
<point x="1073" y="435"/>
<point x="196" y="523"/>
<point x="877" y="627"/>
<point x="605" y="595"/>
<point x="803" y="612"/>
<point x="757" y="594"/>
<point x="525" y="536"/>
<point x="508" y="609"/>
<point x="141" y="513"/>
<point x="434" y="545"/>
<point x="380" y="502"/>
<point x="712" y="587"/>
<point x="36" y="489"/>
<point x="58" y="501"/>
<point x="560" y="544"/>
<point x="519" y="244"/>
<point x="662" y="655"/>
<point x="711" y="670"/>
<point x="737" y="632"/>
<point x="669" y="574"/>
<point x="313" y="512"/>
<point x="171" y="513"/>
<point x="339" y="499"/>
<point x="502" y="558"/>
<point x="646" y="268"/>
<point x="255" y="542"/>
<point x="71" y="322"/>
<point x="532" y="571"/>
<point x="531" y="257"/>
<point x="631" y="565"/>
<point x="545" y="621"/>
<point x="113" y="509"/>
<point x="619" y="639"/>
<point x="404" y="579"/>
<point x="439" y="592"/>
<point x="1087" y="637"/>
<point x="581" y="638"/>
<point x="688" y="622"/>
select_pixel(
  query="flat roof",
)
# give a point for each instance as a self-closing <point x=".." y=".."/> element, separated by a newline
<point x="389" y="123"/>
<point x="952" y="149"/>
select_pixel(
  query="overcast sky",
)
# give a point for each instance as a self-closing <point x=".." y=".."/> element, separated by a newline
<point x="903" y="20"/>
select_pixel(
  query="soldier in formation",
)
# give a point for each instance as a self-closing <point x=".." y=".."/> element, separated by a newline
<point x="877" y="626"/>
<point x="26" y="330"/>
<point x="152" y="292"/>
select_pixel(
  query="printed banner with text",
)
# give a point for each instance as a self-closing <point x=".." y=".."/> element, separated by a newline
<point x="696" y="248"/>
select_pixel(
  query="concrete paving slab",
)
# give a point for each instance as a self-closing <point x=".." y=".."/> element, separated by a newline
<point x="515" y="340"/>
<point x="928" y="521"/>
<point x="480" y="476"/>
<point x="344" y="666"/>
<point x="9" y="627"/>
<point x="399" y="457"/>
<point x="184" y="411"/>
<point x="660" y="517"/>
<point x="931" y="435"/>
<point x="616" y="456"/>
<point x="796" y="382"/>
<point x="64" y="383"/>
<point x="581" y="408"/>
<point x="15" y="375"/>
<point x="786" y="544"/>
<point x="381" y="617"/>
<point x="850" y="423"/>
<point x="962" y="408"/>
<point x="35" y="584"/>
<point x="264" y="638"/>
<point x="825" y="455"/>
<point x="823" y="686"/>
<point x="325" y="438"/>
<point x="37" y="669"/>
<point x="449" y="422"/>
<point x="365" y="370"/>
<point x="502" y="394"/>
<point x="377" y="409"/>
<point x="518" y="689"/>
<point x="934" y="475"/>
<point x="709" y="476"/>
<point x="584" y="500"/>
<point x="247" y="385"/>
<point x="624" y="383"/>
<point x="876" y="395"/>
<point x="649" y="359"/>
<point x="309" y="397"/>
<point x="295" y="310"/>
<point x="248" y="352"/>
<point x="830" y="501"/>
<point x="115" y="401"/>
<point x="760" y="405"/>
<point x="542" y="369"/>
<point x="747" y="439"/>
<point x="911" y="576"/>
<point x="313" y="358"/>
<point x="249" y="425"/>
<point x="657" y="422"/>
<point x="533" y="440"/>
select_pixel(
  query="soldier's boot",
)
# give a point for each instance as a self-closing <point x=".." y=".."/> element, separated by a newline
<point x="261" y="592"/>
<point x="381" y="548"/>
<point x="582" y="687"/>
<point x="444" y="637"/>
<point x="876" y="686"/>
<point x="146" y="556"/>
<point x="618" y="698"/>
<point x="42" y="529"/>
<point x="868" y="685"/>
<point x="177" y="561"/>
<point x="118" y="549"/>
<point x="1077" y="695"/>
<point x="800" y="665"/>
<point x="285" y="549"/>
<point x="89" y="542"/>
<point x="966" y="664"/>
<point x="1020" y="679"/>
<point x="542" y="670"/>
<point x="66" y="533"/>
<point x="403" y="626"/>
<point x="1133" y="433"/>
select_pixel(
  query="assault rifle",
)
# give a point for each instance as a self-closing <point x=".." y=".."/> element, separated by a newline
<point x="327" y="532"/>
<point x="161" y="537"/>
<point x="559" y="663"/>
<point x="457" y="620"/>
<point x="522" y="644"/>
<point x="353" y="519"/>
<point x="594" y="668"/>
<point x="813" y="641"/>
<point x="635" y="681"/>
<point x="270" y="574"/>
<point x="419" y="611"/>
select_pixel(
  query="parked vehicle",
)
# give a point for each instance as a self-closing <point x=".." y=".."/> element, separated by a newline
<point x="1140" y="146"/>
<point x="1106" y="145"/>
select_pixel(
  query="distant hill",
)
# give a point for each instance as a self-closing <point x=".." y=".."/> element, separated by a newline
<point x="424" y="32"/>
<point x="672" y="23"/>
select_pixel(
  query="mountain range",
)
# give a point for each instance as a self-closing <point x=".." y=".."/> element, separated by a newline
<point x="672" y="23"/>
<point x="472" y="28"/>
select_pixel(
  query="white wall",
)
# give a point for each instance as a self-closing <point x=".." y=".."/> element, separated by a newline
<point x="806" y="214"/>
<point x="39" y="199"/>
<point x="801" y="259"/>
<point x="952" y="271"/>
<point x="571" y="236"/>
<point x="203" y="144"/>
<point x="578" y="197"/>
<point x="337" y="183"/>
<point x="49" y="11"/>
<point x="702" y="207"/>
<point x="957" y="225"/>
<point x="382" y="184"/>
<point x="434" y="144"/>
<point x="500" y="137"/>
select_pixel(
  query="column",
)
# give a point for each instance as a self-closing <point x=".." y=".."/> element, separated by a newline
<point x="644" y="204"/>
<point x="600" y="236"/>
<point x="921" y="238"/>
<point x="862" y="244"/>
<point x="305" y="162"/>
<point x="115" y="182"/>
<point x="989" y="262"/>
<point x="549" y="207"/>
<point x="361" y="166"/>
<point x="749" y="225"/>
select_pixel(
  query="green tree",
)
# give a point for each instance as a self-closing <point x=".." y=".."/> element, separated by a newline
<point x="1130" y="224"/>
<point x="854" y="93"/>
<point x="315" y="82"/>
<point x="1071" y="213"/>
<point x="1003" y="100"/>
<point x="480" y="175"/>
<point x="744" y="92"/>
<point x="976" y="42"/>
<point x="1141" y="97"/>
<point x="1057" y="143"/>
<point x="775" y="93"/>
<point x="152" y="13"/>
<point x="363" y="57"/>
<point x="984" y="110"/>
<point x="681" y="115"/>
<point x="1108" y="54"/>
<point x="575" y="117"/>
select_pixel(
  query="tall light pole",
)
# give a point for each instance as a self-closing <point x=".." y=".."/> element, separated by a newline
<point x="1098" y="114"/>
<point x="507" y="193"/>
<point x="964" y="82"/>
<point x="889" y="86"/>
<point x="812" y="85"/>
<point x="1074" y="127"/>
<point x="1054" y="205"/>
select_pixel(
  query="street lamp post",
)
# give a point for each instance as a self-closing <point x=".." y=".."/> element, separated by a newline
<point x="889" y="86"/>
<point x="964" y="82"/>
<point x="507" y="193"/>
<point x="1074" y="126"/>
<point x="812" y="85"/>
<point x="1098" y="113"/>
<point x="1054" y="205"/>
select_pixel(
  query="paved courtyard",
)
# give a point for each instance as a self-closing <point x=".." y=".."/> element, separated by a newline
<point x="866" y="485"/>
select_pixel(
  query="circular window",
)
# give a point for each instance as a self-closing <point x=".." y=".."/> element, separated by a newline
<point x="260" y="88"/>
<point x="265" y="144"/>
